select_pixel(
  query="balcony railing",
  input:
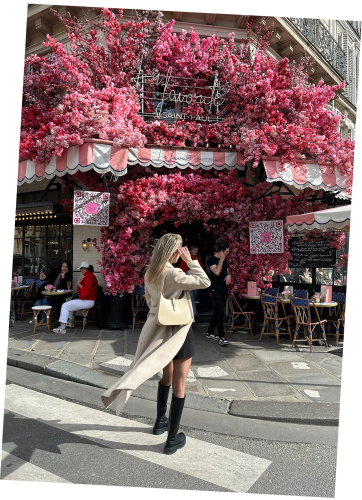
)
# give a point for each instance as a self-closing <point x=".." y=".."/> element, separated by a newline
<point x="356" y="25"/>
<point x="318" y="35"/>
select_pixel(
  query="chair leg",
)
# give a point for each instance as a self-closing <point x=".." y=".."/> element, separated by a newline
<point x="35" y="320"/>
<point x="324" y="336"/>
<point x="277" y="331"/>
<point x="263" y="329"/>
<point x="295" y="336"/>
<point x="337" y="333"/>
<point x="134" y="320"/>
<point x="250" y="326"/>
<point x="73" y="319"/>
<point x="48" y="317"/>
<point x="84" y="319"/>
<point x="311" y="341"/>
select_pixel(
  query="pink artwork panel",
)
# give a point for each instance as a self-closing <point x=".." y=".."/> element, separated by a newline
<point x="266" y="237"/>
<point x="91" y="208"/>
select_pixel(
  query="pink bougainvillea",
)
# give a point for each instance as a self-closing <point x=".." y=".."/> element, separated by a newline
<point x="266" y="107"/>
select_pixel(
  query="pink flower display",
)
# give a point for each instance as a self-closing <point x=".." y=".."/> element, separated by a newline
<point x="264" y="107"/>
<point x="222" y="202"/>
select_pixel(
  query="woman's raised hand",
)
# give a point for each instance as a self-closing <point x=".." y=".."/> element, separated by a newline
<point x="185" y="254"/>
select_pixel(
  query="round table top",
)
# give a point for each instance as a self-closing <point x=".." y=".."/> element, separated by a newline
<point x="20" y="287"/>
<point x="246" y="296"/>
<point x="54" y="294"/>
<point x="324" y="304"/>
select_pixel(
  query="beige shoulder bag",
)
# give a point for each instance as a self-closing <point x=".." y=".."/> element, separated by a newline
<point x="173" y="311"/>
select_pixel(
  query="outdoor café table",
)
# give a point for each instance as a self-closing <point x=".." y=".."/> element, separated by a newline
<point x="57" y="296"/>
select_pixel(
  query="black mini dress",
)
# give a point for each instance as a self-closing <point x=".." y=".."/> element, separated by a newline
<point x="188" y="348"/>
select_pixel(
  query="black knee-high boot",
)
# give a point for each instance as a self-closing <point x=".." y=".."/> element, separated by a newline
<point x="175" y="440"/>
<point x="161" y="424"/>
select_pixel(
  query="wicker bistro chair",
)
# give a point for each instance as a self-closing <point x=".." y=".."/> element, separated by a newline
<point x="271" y="291"/>
<point x="139" y="304"/>
<point x="336" y="317"/>
<point x="236" y="311"/>
<point x="26" y="298"/>
<point x="300" y="294"/>
<point x="84" y="320"/>
<point x="271" y="316"/>
<point x="303" y="318"/>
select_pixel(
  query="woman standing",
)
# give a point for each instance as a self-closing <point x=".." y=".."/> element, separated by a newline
<point x="58" y="278"/>
<point x="163" y="347"/>
<point x="194" y="252"/>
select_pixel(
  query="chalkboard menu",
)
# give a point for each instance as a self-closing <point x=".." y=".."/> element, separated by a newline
<point x="311" y="253"/>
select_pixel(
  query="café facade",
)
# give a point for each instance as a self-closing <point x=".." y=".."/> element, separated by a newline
<point x="46" y="231"/>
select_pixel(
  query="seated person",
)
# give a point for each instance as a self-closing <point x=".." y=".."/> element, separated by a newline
<point x="322" y="277"/>
<point x="58" y="278"/>
<point x="305" y="276"/>
<point x="87" y="287"/>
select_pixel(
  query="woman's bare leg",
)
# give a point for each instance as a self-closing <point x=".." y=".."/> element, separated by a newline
<point x="181" y="369"/>
<point x="167" y="374"/>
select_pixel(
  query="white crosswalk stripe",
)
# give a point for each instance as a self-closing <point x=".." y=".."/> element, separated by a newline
<point x="199" y="459"/>
<point x="19" y="470"/>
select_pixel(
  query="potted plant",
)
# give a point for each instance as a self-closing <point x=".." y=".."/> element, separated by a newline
<point x="50" y="288"/>
<point x="317" y="297"/>
<point x="286" y="294"/>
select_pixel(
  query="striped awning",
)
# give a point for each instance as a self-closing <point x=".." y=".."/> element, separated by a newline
<point x="307" y="174"/>
<point x="338" y="218"/>
<point x="103" y="157"/>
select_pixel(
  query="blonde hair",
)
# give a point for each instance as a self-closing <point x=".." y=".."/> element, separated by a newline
<point x="162" y="253"/>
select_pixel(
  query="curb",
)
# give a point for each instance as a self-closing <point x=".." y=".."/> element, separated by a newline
<point x="82" y="375"/>
<point x="296" y="413"/>
<point x="320" y="414"/>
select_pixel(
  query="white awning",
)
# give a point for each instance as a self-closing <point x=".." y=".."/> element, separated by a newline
<point x="103" y="157"/>
<point x="338" y="218"/>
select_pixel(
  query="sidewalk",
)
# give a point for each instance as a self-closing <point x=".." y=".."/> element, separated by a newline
<point x="246" y="378"/>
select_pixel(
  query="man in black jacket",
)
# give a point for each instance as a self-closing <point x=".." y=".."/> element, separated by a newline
<point x="58" y="278"/>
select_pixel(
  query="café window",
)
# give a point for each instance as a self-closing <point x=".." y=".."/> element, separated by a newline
<point x="41" y="247"/>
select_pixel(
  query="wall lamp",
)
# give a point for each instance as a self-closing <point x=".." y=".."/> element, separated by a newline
<point x="85" y="244"/>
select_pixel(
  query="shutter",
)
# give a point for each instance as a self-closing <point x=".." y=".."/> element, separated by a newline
<point x="353" y="81"/>
<point x="344" y="39"/>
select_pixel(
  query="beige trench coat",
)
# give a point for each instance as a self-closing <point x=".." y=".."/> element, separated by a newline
<point x="157" y="345"/>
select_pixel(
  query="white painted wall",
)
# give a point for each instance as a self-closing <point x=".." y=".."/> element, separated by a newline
<point x="91" y="255"/>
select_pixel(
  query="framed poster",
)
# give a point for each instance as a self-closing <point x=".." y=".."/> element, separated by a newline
<point x="266" y="237"/>
<point x="91" y="208"/>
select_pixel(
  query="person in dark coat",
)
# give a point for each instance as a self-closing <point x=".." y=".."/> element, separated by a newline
<point x="58" y="278"/>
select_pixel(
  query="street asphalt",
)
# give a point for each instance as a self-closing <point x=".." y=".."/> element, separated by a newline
<point x="248" y="378"/>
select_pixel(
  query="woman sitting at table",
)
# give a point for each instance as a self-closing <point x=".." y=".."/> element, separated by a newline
<point x="58" y="278"/>
<point x="87" y="287"/>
